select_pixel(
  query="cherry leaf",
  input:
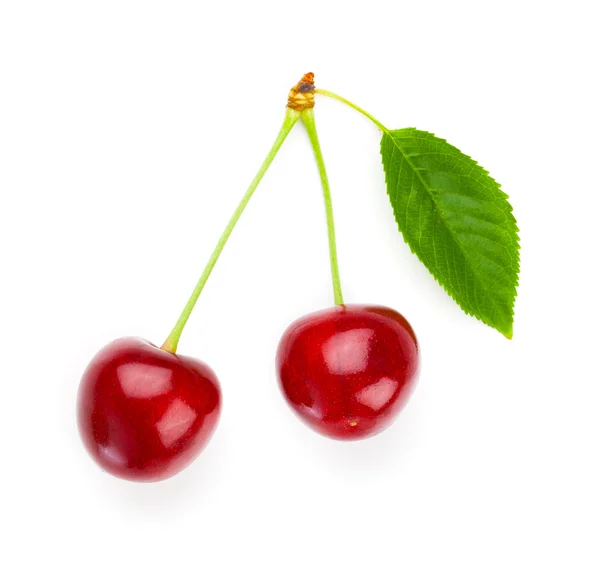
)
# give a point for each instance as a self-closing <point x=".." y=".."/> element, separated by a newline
<point x="456" y="220"/>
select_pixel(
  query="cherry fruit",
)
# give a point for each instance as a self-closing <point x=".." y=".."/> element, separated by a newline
<point x="348" y="370"/>
<point x="145" y="413"/>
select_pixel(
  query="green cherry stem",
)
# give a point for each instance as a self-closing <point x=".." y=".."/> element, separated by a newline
<point x="308" y="118"/>
<point x="353" y="106"/>
<point x="291" y="117"/>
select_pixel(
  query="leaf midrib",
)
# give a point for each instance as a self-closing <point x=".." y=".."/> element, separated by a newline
<point x="454" y="239"/>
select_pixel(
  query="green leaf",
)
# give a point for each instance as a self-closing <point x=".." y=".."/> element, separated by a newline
<point x="457" y="221"/>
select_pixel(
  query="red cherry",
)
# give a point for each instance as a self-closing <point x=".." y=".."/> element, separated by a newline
<point x="145" y="413"/>
<point x="347" y="371"/>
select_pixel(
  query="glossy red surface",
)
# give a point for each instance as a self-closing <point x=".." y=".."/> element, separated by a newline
<point x="145" y="413"/>
<point x="347" y="371"/>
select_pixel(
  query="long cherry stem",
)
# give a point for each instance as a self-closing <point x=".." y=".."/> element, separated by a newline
<point x="353" y="106"/>
<point x="291" y="117"/>
<point x="308" y="118"/>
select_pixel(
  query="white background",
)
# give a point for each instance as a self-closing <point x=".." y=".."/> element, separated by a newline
<point x="129" y="131"/>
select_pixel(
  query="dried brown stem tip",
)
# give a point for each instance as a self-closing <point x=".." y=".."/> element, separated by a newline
<point x="302" y="95"/>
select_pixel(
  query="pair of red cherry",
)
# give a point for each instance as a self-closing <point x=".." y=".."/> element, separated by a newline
<point x="145" y="413"/>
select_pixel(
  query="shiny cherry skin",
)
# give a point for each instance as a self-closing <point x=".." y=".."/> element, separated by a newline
<point x="348" y="370"/>
<point x="144" y="413"/>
